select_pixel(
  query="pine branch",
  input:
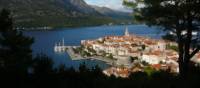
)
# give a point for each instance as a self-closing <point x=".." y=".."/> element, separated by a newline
<point x="194" y="52"/>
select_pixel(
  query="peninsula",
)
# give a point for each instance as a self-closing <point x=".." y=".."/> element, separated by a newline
<point x="129" y="53"/>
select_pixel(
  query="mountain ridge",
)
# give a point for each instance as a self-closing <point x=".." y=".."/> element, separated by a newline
<point x="112" y="13"/>
<point x="54" y="13"/>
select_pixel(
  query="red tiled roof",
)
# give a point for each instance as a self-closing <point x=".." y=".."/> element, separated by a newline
<point x="156" y="66"/>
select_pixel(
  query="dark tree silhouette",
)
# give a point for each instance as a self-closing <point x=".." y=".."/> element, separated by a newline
<point x="42" y="65"/>
<point x="15" y="48"/>
<point x="177" y="16"/>
<point x="15" y="58"/>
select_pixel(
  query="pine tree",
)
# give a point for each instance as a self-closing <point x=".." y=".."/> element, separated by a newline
<point x="176" y="16"/>
<point x="15" y="48"/>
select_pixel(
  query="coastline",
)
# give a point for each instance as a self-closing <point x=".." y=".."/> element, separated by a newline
<point x="49" y="28"/>
<point x="75" y="57"/>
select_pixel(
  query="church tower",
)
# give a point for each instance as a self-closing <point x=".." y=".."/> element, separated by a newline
<point x="126" y="32"/>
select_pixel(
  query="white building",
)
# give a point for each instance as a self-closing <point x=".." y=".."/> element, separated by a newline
<point x="151" y="59"/>
<point x="98" y="47"/>
<point x="161" y="45"/>
<point x="121" y="51"/>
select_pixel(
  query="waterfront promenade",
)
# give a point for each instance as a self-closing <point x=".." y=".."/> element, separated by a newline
<point x="75" y="56"/>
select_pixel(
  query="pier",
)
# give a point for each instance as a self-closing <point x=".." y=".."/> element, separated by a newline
<point x="75" y="56"/>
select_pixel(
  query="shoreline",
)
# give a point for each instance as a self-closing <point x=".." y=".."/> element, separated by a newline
<point x="75" y="57"/>
<point x="58" y="28"/>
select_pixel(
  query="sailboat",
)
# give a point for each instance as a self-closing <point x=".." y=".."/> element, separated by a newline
<point x="60" y="47"/>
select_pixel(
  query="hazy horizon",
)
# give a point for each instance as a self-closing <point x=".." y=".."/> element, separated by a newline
<point x="112" y="4"/>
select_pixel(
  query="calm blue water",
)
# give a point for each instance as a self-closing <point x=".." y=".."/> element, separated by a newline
<point x="45" y="40"/>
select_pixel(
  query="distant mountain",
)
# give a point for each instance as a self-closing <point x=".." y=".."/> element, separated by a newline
<point x="55" y="13"/>
<point x="82" y="6"/>
<point x="112" y="13"/>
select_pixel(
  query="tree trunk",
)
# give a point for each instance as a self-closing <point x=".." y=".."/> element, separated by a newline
<point x="180" y="60"/>
<point x="187" y="44"/>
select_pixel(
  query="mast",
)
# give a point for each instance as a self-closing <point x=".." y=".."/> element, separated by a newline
<point x="63" y="42"/>
<point x="126" y="31"/>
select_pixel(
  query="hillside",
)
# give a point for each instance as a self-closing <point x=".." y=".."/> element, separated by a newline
<point x="54" y="13"/>
<point x="112" y="13"/>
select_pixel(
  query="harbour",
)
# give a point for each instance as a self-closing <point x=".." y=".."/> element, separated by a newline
<point x="46" y="40"/>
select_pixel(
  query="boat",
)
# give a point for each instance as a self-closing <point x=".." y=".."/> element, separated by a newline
<point x="60" y="47"/>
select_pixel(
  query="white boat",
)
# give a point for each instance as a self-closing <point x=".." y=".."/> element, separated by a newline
<point x="60" y="47"/>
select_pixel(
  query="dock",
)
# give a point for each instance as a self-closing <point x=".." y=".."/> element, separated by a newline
<point x="74" y="56"/>
<point x="61" y="48"/>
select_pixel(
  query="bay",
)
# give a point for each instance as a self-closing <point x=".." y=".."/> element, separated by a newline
<point x="45" y="40"/>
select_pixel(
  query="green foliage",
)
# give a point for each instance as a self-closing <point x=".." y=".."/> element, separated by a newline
<point x="85" y="54"/>
<point x="91" y="51"/>
<point x="145" y="63"/>
<point x="81" y="50"/>
<point x="176" y="16"/>
<point x="173" y="47"/>
<point x="132" y="59"/>
<point x="62" y="21"/>
<point x="15" y="55"/>
<point x="103" y="53"/>
<point x="143" y="47"/>
<point x="149" y="70"/>
<point x="169" y="37"/>
<point x="42" y="65"/>
<point x="77" y="50"/>
<point x="110" y="56"/>
<point x="15" y="48"/>
<point x="57" y="13"/>
<point x="129" y="3"/>
<point x="139" y="76"/>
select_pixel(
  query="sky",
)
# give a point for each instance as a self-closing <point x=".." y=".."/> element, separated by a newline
<point x="113" y="4"/>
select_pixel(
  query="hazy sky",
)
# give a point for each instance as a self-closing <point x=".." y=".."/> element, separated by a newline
<point x="113" y="4"/>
